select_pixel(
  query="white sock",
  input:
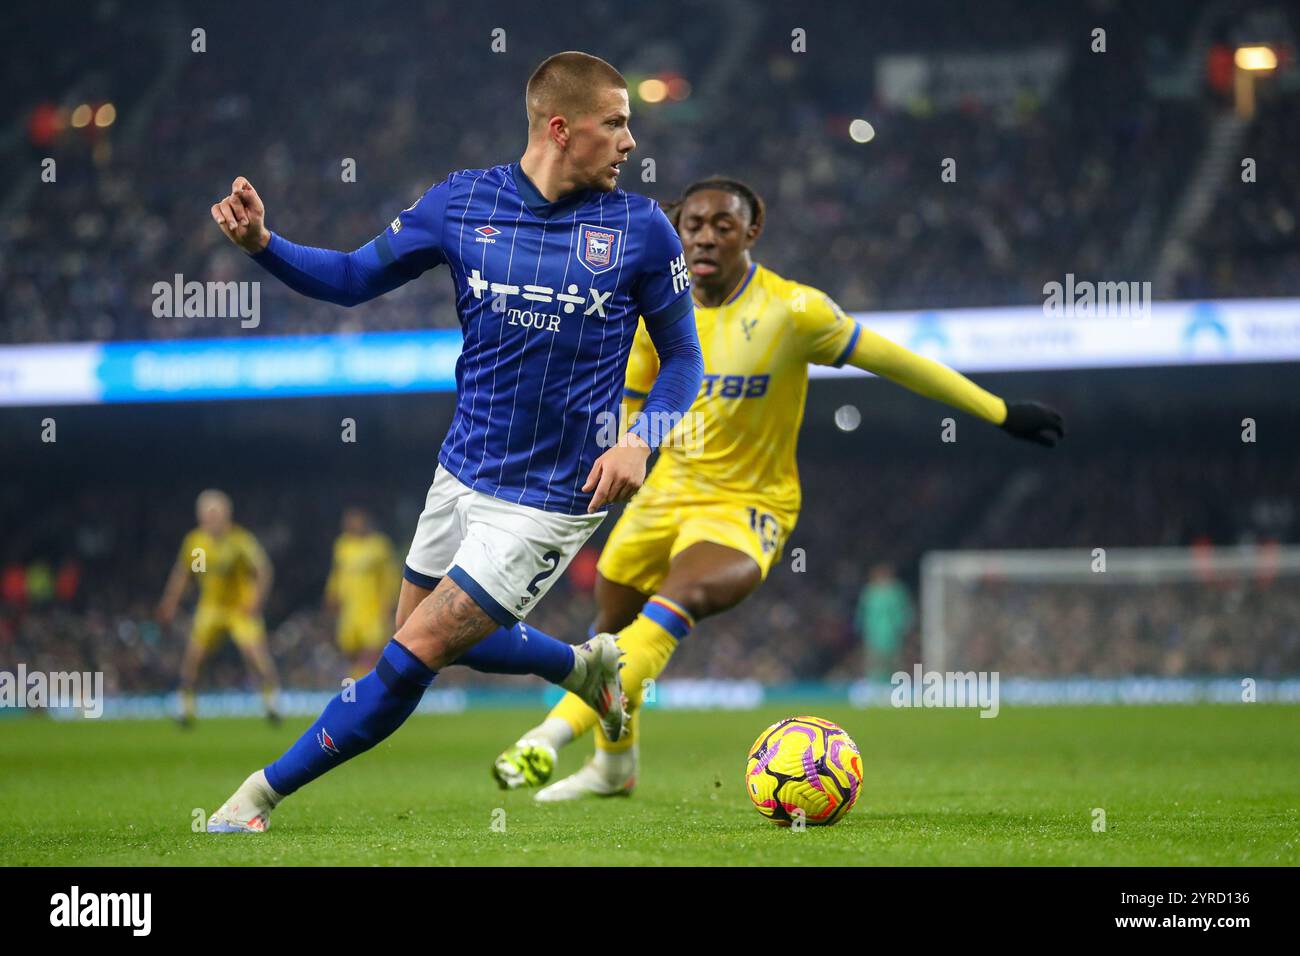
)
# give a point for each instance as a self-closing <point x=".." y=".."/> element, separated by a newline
<point x="578" y="675"/>
<point x="554" y="730"/>
<point x="261" y="783"/>
<point x="616" y="767"/>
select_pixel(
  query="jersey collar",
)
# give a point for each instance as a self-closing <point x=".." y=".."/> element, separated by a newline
<point x="740" y="289"/>
<point x="538" y="204"/>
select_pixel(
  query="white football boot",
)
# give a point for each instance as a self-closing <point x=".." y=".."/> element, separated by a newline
<point x="593" y="780"/>
<point x="596" y="680"/>
<point x="249" y="808"/>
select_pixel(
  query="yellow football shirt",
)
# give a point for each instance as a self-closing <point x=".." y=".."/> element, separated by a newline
<point x="225" y="566"/>
<point x="364" y="575"/>
<point x="739" y="437"/>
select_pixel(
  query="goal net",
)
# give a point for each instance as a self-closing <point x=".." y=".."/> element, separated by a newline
<point x="1114" y="612"/>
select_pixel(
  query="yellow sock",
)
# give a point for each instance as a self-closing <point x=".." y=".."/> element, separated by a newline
<point x="647" y="645"/>
<point x="575" y="713"/>
<point x="187" y="703"/>
<point x="629" y="740"/>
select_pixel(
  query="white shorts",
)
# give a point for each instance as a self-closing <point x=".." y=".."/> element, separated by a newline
<point x="505" y="556"/>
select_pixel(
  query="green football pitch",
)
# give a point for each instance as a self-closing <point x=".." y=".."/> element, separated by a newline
<point x="1181" y="785"/>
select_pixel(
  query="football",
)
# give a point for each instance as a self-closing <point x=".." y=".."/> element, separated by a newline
<point x="803" y="768"/>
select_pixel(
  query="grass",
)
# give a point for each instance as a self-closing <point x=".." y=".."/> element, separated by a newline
<point x="1180" y="785"/>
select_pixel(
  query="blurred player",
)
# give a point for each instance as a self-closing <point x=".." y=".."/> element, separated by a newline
<point x="714" y="515"/>
<point x="362" y="584"/>
<point x="234" y="576"/>
<point x="552" y="264"/>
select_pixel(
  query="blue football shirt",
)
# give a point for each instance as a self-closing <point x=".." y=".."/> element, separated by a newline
<point x="548" y="295"/>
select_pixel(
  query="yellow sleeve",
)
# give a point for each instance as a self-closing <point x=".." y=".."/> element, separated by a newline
<point x="185" y="556"/>
<point x="332" y="582"/>
<point x="251" y="549"/>
<point x="642" y="365"/>
<point x="392" y="581"/>
<point x="824" y="329"/>
<point x="877" y="354"/>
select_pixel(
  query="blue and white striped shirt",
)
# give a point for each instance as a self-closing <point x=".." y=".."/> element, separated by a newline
<point x="548" y="295"/>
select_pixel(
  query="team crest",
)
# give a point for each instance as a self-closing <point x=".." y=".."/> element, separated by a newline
<point x="599" y="247"/>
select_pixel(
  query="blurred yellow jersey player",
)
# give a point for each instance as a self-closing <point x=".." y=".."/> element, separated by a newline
<point x="714" y="514"/>
<point x="362" y="588"/>
<point x="234" y="576"/>
<point x="727" y="472"/>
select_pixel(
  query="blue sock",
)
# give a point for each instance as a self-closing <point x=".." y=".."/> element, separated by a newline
<point x="520" y="650"/>
<point x="378" y="704"/>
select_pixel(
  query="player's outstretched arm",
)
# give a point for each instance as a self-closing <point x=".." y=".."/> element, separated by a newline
<point x="330" y="601"/>
<point x="344" y="278"/>
<point x="1031" y="421"/>
<point x="263" y="577"/>
<point x="173" y="592"/>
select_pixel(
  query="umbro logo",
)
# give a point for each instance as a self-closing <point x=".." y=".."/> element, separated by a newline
<point x="487" y="233"/>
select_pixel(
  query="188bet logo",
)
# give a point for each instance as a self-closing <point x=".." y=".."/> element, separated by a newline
<point x="803" y="768"/>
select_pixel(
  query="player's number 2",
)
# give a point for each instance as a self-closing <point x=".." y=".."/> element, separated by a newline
<point x="553" y="557"/>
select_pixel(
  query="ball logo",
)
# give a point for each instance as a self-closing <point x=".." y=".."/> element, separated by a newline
<point x="599" y="247"/>
<point x="803" y="771"/>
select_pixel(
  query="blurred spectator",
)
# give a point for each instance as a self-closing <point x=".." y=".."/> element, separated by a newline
<point x="885" y="613"/>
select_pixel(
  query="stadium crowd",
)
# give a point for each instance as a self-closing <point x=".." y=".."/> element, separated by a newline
<point x="1046" y="182"/>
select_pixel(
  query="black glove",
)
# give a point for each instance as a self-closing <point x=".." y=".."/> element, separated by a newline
<point x="1034" y="422"/>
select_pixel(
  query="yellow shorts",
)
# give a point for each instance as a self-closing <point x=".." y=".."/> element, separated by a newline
<point x="654" y="530"/>
<point x="212" y="624"/>
<point x="366" y="631"/>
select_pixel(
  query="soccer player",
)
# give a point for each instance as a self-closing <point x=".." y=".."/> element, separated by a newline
<point x="706" y="527"/>
<point x="552" y="264"/>
<point x="362" y="583"/>
<point x="234" y="576"/>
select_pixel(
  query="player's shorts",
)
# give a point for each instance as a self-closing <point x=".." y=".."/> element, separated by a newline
<point x="655" y="528"/>
<point x="505" y="556"/>
<point x="213" y="623"/>
<point x="365" y="630"/>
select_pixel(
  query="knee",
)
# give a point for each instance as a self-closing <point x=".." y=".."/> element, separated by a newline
<point x="433" y="642"/>
<point x="703" y="598"/>
<point x="608" y="622"/>
<point x="699" y="598"/>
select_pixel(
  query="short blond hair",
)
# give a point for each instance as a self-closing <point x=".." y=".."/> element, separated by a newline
<point x="567" y="84"/>
<point x="210" y="497"/>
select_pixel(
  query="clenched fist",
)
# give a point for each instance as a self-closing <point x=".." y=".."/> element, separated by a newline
<point x="242" y="217"/>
